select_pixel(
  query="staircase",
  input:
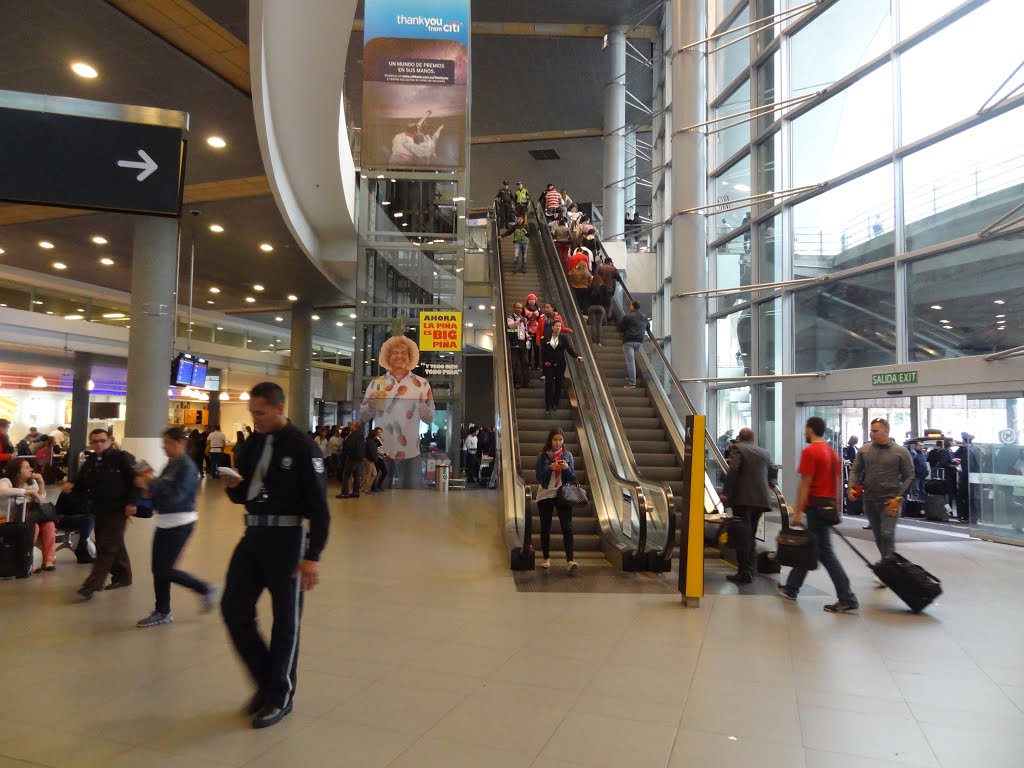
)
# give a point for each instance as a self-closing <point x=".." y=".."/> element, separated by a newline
<point x="532" y="426"/>
<point x="652" y="449"/>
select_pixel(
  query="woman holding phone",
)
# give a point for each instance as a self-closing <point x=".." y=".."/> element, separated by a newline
<point x="555" y="468"/>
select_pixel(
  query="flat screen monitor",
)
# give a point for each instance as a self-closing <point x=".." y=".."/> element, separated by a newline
<point x="181" y="370"/>
<point x="199" y="373"/>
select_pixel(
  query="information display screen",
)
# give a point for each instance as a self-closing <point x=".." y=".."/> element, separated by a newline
<point x="199" y="373"/>
<point x="181" y="370"/>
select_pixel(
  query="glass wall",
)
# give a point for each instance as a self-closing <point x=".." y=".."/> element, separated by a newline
<point x="879" y="183"/>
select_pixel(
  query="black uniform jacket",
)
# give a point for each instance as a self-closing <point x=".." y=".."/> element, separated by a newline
<point x="295" y="482"/>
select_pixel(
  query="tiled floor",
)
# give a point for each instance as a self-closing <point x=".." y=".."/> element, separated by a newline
<point x="419" y="652"/>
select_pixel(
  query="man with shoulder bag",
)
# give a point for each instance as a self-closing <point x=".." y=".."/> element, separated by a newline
<point x="817" y="500"/>
<point x="748" y="492"/>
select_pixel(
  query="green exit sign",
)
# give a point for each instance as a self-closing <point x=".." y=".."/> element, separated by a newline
<point x="887" y="379"/>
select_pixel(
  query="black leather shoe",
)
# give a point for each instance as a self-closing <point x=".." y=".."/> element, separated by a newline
<point x="269" y="716"/>
<point x="85" y="592"/>
<point x="740" y="578"/>
<point x="255" y="704"/>
<point x="117" y="585"/>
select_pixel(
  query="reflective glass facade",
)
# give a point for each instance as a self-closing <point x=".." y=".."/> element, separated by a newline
<point x="875" y="161"/>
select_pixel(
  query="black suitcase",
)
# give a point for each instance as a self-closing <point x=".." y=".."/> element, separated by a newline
<point x="913" y="508"/>
<point x="911" y="583"/>
<point x="16" y="542"/>
<point x="523" y="561"/>
<point x="854" y="506"/>
<point x="933" y="486"/>
<point x="935" y="509"/>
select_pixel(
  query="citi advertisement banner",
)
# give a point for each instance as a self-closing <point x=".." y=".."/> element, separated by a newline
<point x="415" y="84"/>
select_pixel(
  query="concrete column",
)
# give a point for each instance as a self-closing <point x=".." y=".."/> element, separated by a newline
<point x="629" y="193"/>
<point x="79" y="409"/>
<point x="689" y="185"/>
<point x="615" y="134"/>
<point x="300" y="366"/>
<point x="151" y="336"/>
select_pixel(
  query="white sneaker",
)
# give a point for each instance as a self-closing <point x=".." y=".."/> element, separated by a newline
<point x="546" y="564"/>
<point x="573" y="566"/>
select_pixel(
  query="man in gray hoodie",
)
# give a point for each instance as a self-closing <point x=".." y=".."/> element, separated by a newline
<point x="885" y="470"/>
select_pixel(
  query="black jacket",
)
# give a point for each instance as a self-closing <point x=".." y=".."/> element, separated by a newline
<point x="354" y="449"/>
<point x="750" y="470"/>
<point x="556" y="356"/>
<point x="295" y="482"/>
<point x="633" y="326"/>
<point x="107" y="480"/>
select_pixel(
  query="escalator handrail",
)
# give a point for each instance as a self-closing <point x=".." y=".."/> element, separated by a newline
<point x="517" y="502"/>
<point x="598" y="395"/>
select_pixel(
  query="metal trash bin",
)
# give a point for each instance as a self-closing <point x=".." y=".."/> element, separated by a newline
<point x="444" y="476"/>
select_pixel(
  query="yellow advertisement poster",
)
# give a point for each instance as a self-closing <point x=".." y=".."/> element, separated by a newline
<point x="441" y="331"/>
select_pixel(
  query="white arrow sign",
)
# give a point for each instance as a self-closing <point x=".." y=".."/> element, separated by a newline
<point x="147" y="165"/>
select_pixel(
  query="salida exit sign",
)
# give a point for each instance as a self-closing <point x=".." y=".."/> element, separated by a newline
<point x="896" y="377"/>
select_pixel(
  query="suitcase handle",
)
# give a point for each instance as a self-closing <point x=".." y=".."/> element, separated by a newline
<point x="856" y="551"/>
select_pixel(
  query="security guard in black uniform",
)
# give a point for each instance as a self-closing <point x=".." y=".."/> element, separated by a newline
<point x="282" y="482"/>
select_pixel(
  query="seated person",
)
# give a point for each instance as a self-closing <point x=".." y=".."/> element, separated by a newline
<point x="46" y="461"/>
<point x="21" y="480"/>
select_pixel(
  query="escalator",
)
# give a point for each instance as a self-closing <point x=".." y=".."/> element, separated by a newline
<point x="532" y="425"/>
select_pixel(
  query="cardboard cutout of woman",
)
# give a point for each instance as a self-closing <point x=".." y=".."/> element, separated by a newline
<point x="398" y="401"/>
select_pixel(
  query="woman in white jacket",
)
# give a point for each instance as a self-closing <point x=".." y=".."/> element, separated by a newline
<point x="20" y="480"/>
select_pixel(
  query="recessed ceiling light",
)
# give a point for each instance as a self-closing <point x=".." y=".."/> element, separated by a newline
<point x="45" y="244"/>
<point x="266" y="247"/>
<point x="315" y="317"/>
<point x="998" y="301"/>
<point x="458" y="199"/>
<point x="113" y="315"/>
<point x="216" y="228"/>
<point x="250" y="300"/>
<point x="936" y="306"/>
<point x="469" y="325"/>
<point x="73" y="317"/>
<point x="292" y="297"/>
<point x="106" y="262"/>
<point x="209" y="301"/>
<point x="36" y="301"/>
<point x="49" y="311"/>
<point x="394" y="181"/>
<point x="99" y="239"/>
<point x="339" y="324"/>
<point x="1" y="251"/>
<point x="257" y="287"/>
<point x="943" y="321"/>
<point x="214" y="289"/>
<point x="82" y="69"/>
<point x="353" y="315"/>
<point x="279" y="319"/>
<point x="481" y="307"/>
<point x="380" y="176"/>
<point x="405" y="223"/>
<point x="59" y="265"/>
<point x="999" y="316"/>
<point x="399" y="214"/>
<point x="216" y="142"/>
<point x="386" y="202"/>
<point x="220" y="328"/>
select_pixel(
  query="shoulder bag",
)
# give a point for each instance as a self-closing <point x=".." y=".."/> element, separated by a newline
<point x="42" y="512"/>
<point x="826" y="508"/>
<point x="571" y="495"/>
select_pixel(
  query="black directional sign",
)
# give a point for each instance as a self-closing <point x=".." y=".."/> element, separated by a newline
<point x="84" y="162"/>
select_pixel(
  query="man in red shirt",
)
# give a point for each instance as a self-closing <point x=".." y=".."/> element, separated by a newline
<point x="819" y="478"/>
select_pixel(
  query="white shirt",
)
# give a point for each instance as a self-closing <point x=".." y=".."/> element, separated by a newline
<point x="399" y="406"/>
<point x="216" y="441"/>
<point x="9" y="492"/>
<point x="554" y="342"/>
<point x="471" y="444"/>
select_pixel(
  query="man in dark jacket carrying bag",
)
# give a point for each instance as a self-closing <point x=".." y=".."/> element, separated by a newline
<point x="748" y="492"/>
<point x="281" y="480"/>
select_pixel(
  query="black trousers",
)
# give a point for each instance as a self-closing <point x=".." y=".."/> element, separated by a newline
<point x="167" y="546"/>
<point x="472" y="466"/>
<point x="751" y="516"/>
<point x="533" y="354"/>
<point x="353" y="470"/>
<point x="520" y="363"/>
<point x="111" y="552"/>
<point x="554" y="375"/>
<point x="382" y="473"/>
<point x="266" y="558"/>
<point x="547" y="509"/>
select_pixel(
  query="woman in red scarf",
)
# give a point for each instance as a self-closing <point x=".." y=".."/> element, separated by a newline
<point x="555" y="468"/>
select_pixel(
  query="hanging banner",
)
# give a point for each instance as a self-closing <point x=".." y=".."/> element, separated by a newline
<point x="415" y="84"/>
<point x="441" y="331"/>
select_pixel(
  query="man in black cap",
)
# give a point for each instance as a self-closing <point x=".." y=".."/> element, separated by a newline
<point x="506" y="209"/>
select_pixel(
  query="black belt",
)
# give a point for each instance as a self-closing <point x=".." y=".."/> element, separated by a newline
<point x="273" y="521"/>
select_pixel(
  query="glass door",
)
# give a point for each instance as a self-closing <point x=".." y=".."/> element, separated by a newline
<point x="991" y="455"/>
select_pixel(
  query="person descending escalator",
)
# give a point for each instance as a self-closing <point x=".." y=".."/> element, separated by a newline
<point x="533" y="313"/>
<point x="554" y="354"/>
<point x="506" y="206"/>
<point x="520" y="232"/>
<point x="518" y="346"/>
<point x="555" y="468"/>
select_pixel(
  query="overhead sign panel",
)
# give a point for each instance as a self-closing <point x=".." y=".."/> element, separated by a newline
<point x="415" y="84"/>
<point x="51" y="158"/>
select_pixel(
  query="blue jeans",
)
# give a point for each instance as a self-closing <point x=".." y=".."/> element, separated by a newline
<point x="882" y="525"/>
<point x="827" y="557"/>
<point x="629" y="349"/>
<point x="519" y="261"/>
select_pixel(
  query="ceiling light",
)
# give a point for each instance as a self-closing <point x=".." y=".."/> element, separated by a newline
<point x="80" y="309"/>
<point x="315" y="317"/>
<point x="82" y="69"/>
<point x="936" y="306"/>
<point x="943" y="321"/>
<point x="386" y="202"/>
<point x="89" y="385"/>
<point x="399" y="214"/>
<point x="279" y="319"/>
<point x="209" y="301"/>
<point x="481" y="307"/>
<point x="99" y="239"/>
<point x="39" y="382"/>
<point x="257" y="287"/>
<point x="214" y="289"/>
<point x="106" y="262"/>
<point x="997" y="301"/>
<point x="741" y="187"/>
<point x="339" y="323"/>
<point x="220" y="328"/>
<point x="113" y="315"/>
<point x="353" y="315"/>
<point x="405" y="223"/>
<point x="36" y="301"/>
<point x="225" y="396"/>
<point x="187" y="392"/>
<point x="292" y="297"/>
<point x="59" y="265"/>
<point x="46" y="244"/>
<point x="216" y="142"/>
<point x="250" y="300"/>
<point x="170" y="392"/>
<point x="458" y="199"/>
<point x="362" y="301"/>
<point x="244" y="396"/>
<point x="266" y="247"/>
<point x="1" y="251"/>
<point x="216" y="228"/>
<point x="394" y="181"/>
<point x="999" y="316"/>
<point x="469" y="325"/>
<point x="49" y="311"/>
<point x="73" y="317"/>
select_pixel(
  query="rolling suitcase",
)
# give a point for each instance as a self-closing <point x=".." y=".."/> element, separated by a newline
<point x="16" y="542"/>
<point x="911" y="583"/>
<point x="935" y="509"/>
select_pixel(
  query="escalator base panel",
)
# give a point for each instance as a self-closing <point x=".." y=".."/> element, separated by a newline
<point x="595" y="580"/>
